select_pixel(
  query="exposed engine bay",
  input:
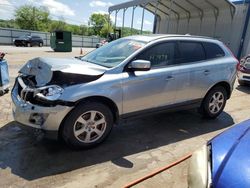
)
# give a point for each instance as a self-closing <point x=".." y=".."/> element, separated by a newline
<point x="42" y="80"/>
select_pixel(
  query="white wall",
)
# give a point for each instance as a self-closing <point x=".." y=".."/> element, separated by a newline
<point x="227" y="30"/>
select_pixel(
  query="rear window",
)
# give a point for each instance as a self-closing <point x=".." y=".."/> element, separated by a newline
<point x="213" y="50"/>
<point x="36" y="37"/>
<point x="190" y="52"/>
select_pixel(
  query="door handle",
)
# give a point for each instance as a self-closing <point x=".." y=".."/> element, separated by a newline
<point x="206" y="72"/>
<point x="169" y="78"/>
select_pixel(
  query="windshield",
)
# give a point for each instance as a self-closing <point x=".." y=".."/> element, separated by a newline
<point x="112" y="54"/>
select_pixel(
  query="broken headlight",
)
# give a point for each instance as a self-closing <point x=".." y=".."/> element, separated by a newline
<point x="50" y="93"/>
<point x="199" y="172"/>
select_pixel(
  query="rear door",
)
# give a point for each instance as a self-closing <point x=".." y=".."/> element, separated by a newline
<point x="191" y="56"/>
<point x="144" y="90"/>
<point x="200" y="68"/>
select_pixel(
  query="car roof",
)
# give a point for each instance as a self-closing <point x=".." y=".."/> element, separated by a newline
<point x="153" y="37"/>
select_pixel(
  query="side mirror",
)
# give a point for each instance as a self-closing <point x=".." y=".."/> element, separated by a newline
<point x="140" y="65"/>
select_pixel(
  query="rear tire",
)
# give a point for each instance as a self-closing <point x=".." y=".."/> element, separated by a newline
<point x="214" y="102"/>
<point x="87" y="125"/>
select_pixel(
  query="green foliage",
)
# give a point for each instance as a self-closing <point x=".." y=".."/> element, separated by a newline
<point x="106" y="29"/>
<point x="57" y="25"/>
<point x="32" y="18"/>
<point x="127" y="31"/>
<point x="8" y="24"/>
<point x="37" y="18"/>
<point x="100" y="23"/>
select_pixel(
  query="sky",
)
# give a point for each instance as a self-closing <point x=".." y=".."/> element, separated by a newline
<point x="78" y="11"/>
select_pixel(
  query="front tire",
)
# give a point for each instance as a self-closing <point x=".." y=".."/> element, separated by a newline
<point x="87" y="125"/>
<point x="214" y="102"/>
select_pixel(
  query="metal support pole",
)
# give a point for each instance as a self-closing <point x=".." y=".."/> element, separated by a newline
<point x="201" y="25"/>
<point x="188" y="25"/>
<point x="123" y="20"/>
<point x="178" y="20"/>
<point x="169" y="17"/>
<point x="132" y="21"/>
<point x="215" y="26"/>
<point x="155" y="19"/>
<point x="116" y="17"/>
<point x="159" y="25"/>
<point x="109" y="22"/>
<point x="142" y="20"/>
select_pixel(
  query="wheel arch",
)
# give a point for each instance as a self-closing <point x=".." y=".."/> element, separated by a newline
<point x="101" y="99"/>
<point x="104" y="100"/>
<point x="224" y="84"/>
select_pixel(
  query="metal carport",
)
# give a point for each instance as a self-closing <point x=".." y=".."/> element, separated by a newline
<point x="214" y="18"/>
<point x="175" y="9"/>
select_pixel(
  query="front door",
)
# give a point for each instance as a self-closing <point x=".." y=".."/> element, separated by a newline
<point x="143" y="90"/>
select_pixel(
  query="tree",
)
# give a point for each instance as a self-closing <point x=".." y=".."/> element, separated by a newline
<point x="98" y="21"/>
<point x="32" y="18"/>
<point x="106" y="29"/>
<point x="55" y="25"/>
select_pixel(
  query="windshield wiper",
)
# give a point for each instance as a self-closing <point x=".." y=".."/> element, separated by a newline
<point x="95" y="63"/>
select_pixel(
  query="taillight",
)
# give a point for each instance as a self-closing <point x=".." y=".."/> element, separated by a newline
<point x="240" y="65"/>
<point x="233" y="55"/>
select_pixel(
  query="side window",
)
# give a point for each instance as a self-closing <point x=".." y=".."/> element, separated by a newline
<point x="159" y="55"/>
<point x="213" y="50"/>
<point x="190" y="52"/>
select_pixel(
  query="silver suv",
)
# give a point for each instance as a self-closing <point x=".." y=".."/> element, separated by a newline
<point x="79" y="100"/>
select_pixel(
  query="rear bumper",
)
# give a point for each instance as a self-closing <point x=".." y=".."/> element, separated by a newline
<point x="243" y="76"/>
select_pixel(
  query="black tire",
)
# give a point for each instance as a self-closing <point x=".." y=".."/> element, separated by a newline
<point x="40" y="44"/>
<point x="70" y="123"/>
<point x="241" y="83"/>
<point x="205" y="110"/>
<point x="28" y="44"/>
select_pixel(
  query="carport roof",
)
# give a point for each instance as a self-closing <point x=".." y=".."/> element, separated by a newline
<point x="181" y="8"/>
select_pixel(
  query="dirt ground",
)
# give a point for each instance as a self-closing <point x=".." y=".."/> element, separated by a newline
<point x="134" y="148"/>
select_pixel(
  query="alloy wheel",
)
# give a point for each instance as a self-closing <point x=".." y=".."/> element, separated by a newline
<point x="216" y="102"/>
<point x="90" y="126"/>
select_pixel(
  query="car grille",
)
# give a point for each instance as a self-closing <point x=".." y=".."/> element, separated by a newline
<point x="246" y="77"/>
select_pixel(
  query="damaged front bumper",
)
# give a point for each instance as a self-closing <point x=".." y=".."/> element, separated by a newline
<point x="44" y="118"/>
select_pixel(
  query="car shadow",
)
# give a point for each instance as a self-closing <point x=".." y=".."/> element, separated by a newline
<point x="31" y="159"/>
<point x="245" y="89"/>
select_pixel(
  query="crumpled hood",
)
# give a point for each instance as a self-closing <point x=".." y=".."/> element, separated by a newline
<point x="231" y="157"/>
<point x="44" y="69"/>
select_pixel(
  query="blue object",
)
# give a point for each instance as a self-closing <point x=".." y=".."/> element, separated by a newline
<point x="4" y="76"/>
<point x="231" y="157"/>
